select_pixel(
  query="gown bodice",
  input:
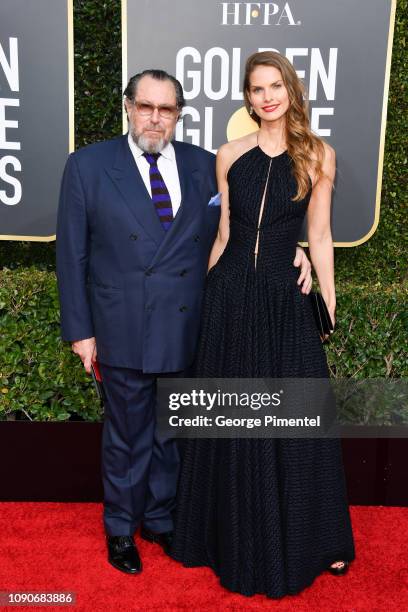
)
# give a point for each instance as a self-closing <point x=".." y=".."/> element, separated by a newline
<point x="281" y="220"/>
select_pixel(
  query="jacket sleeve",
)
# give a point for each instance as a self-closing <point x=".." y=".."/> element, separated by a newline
<point x="72" y="250"/>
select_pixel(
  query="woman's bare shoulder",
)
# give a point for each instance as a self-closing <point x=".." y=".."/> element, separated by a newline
<point x="232" y="150"/>
<point x="329" y="154"/>
<point x="328" y="161"/>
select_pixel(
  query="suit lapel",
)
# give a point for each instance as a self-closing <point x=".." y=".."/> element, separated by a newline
<point x="126" y="176"/>
<point x="188" y="177"/>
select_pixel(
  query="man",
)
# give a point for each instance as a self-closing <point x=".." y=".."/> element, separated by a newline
<point x="133" y="238"/>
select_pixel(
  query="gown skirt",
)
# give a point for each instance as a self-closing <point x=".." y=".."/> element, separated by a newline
<point x="267" y="515"/>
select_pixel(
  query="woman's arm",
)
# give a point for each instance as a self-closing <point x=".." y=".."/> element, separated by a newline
<point x="222" y="165"/>
<point x="319" y="231"/>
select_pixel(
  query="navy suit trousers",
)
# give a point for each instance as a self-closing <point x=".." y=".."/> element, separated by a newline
<point x="139" y="467"/>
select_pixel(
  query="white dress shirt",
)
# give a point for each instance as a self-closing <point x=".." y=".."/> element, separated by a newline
<point x="167" y="166"/>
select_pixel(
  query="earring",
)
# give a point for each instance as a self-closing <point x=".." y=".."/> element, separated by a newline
<point x="251" y="110"/>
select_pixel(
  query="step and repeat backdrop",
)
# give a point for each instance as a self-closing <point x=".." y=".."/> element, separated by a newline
<point x="341" y="50"/>
<point x="36" y="114"/>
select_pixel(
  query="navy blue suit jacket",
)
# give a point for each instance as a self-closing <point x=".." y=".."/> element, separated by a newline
<point x="121" y="277"/>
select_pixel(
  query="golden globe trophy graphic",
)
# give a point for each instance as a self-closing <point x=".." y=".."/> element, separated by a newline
<point x="240" y="124"/>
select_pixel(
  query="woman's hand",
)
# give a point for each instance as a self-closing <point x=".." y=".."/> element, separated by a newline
<point x="332" y="315"/>
<point x="305" y="276"/>
<point x="332" y="311"/>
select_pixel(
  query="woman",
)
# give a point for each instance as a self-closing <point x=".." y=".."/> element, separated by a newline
<point x="267" y="515"/>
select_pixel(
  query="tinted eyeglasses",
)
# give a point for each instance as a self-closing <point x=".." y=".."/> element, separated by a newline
<point x="146" y="110"/>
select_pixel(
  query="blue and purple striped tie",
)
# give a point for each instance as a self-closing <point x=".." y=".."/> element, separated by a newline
<point x="160" y="195"/>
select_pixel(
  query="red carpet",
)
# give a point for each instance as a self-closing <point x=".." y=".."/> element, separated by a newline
<point x="60" y="547"/>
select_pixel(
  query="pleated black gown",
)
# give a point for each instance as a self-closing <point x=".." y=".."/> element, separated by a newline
<point x="267" y="515"/>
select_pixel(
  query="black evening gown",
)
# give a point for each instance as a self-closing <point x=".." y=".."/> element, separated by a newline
<point x="267" y="515"/>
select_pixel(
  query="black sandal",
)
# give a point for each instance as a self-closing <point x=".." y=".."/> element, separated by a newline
<point x="339" y="571"/>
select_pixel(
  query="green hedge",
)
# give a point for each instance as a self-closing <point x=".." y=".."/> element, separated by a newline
<point x="43" y="379"/>
<point x="39" y="376"/>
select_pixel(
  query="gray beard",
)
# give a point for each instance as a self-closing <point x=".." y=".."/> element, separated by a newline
<point x="146" y="145"/>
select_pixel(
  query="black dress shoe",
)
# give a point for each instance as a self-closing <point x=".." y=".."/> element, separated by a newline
<point x="339" y="571"/>
<point x="123" y="554"/>
<point x="163" y="539"/>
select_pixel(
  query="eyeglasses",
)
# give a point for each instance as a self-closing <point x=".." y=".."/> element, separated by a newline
<point x="146" y="110"/>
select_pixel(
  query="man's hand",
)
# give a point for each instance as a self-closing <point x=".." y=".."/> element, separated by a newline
<point x="305" y="277"/>
<point x="86" y="349"/>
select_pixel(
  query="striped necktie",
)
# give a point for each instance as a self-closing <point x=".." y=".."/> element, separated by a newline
<point x="160" y="195"/>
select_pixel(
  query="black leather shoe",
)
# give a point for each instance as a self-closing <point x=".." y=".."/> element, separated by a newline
<point x="123" y="554"/>
<point x="163" y="539"/>
<point x="339" y="571"/>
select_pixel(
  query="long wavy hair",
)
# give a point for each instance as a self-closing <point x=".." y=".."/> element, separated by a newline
<point x="301" y="142"/>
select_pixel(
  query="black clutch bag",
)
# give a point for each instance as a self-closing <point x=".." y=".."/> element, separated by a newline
<point x="321" y="314"/>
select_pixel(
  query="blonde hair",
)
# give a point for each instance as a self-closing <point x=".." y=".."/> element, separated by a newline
<point x="301" y="142"/>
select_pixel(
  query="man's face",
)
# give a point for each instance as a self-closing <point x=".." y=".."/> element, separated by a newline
<point x="152" y="129"/>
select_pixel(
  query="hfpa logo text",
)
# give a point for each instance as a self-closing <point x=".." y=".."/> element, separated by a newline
<point x="257" y="13"/>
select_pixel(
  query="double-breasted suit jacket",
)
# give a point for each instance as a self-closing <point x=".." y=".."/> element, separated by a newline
<point x="122" y="278"/>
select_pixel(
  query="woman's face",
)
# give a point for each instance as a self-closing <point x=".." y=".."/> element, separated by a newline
<point x="267" y="93"/>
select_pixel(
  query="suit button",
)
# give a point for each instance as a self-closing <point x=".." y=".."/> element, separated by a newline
<point x="133" y="237"/>
<point x="196" y="238"/>
<point x="183" y="272"/>
<point x="149" y="308"/>
<point x="183" y="308"/>
<point x="149" y="272"/>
